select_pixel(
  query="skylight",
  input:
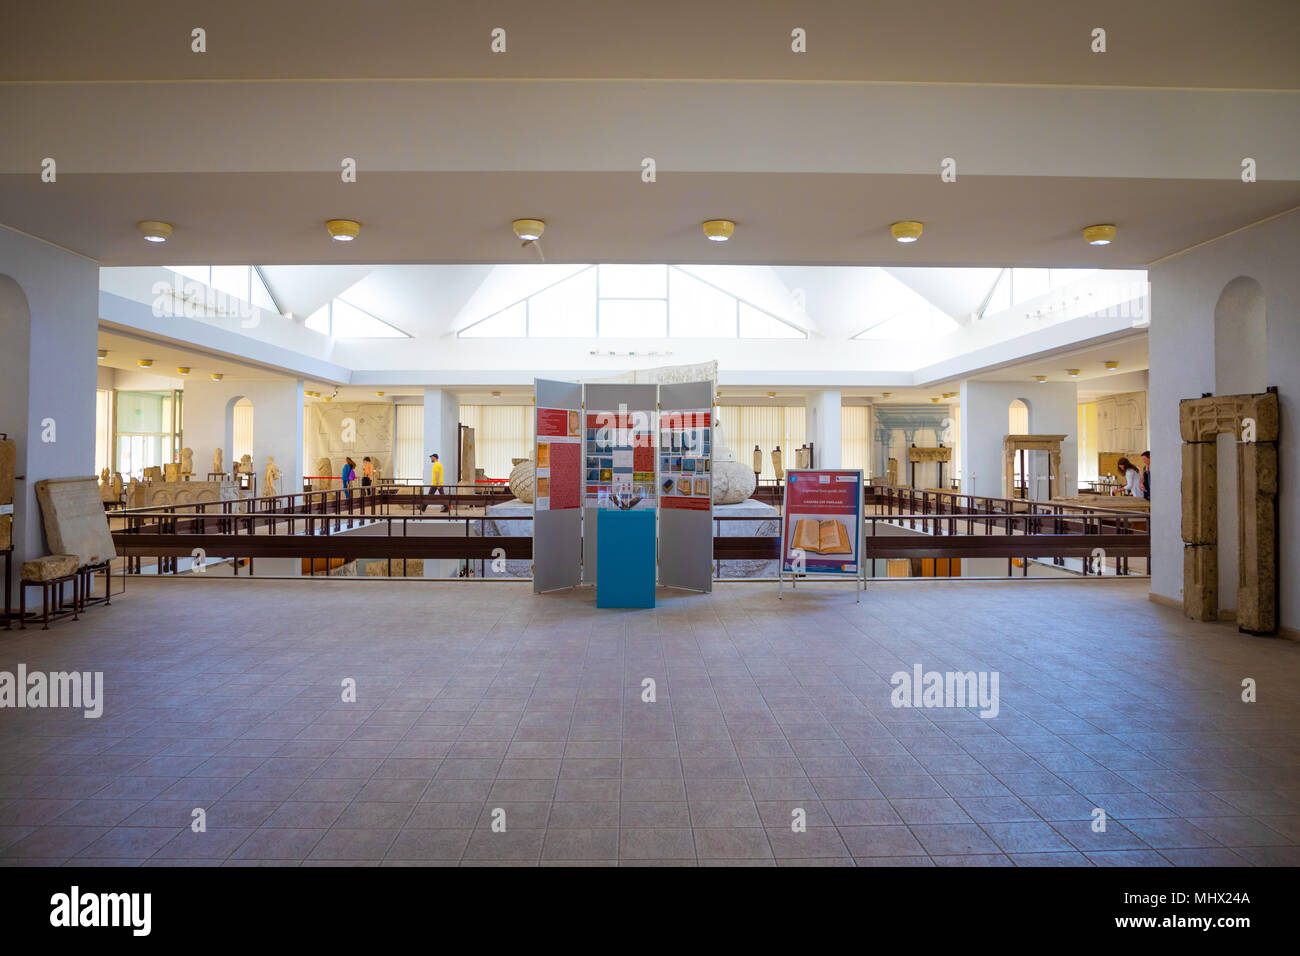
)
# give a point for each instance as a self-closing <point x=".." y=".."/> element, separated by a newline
<point x="632" y="301"/>
<point x="340" y="319"/>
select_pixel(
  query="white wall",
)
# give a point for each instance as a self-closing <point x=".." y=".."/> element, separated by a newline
<point x="277" y="426"/>
<point x="1053" y="410"/>
<point x="47" y="371"/>
<point x="825" y="428"/>
<point x="1181" y="347"/>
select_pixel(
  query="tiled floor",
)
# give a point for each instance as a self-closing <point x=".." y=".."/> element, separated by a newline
<point x="475" y="700"/>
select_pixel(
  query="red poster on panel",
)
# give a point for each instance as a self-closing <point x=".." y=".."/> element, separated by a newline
<point x="566" y="475"/>
<point x="557" y="422"/>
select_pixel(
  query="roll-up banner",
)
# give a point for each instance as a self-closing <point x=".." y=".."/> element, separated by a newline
<point x="619" y="452"/>
<point x="686" y="486"/>
<point x="821" y="525"/>
<point x="557" y="501"/>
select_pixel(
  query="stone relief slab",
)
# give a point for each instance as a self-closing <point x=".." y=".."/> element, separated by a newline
<point x="74" y="519"/>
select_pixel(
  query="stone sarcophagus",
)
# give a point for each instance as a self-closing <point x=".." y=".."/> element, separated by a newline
<point x="1253" y="421"/>
<point x="167" y="494"/>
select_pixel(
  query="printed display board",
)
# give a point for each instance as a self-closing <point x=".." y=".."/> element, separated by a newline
<point x="686" y="459"/>
<point x="559" y="459"/>
<point x="620" y="453"/>
<point x="821" y="523"/>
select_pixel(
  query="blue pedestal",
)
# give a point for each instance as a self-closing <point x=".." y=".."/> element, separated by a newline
<point x="625" y="558"/>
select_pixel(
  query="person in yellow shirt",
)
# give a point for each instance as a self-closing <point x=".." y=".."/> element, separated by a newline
<point x="435" y="476"/>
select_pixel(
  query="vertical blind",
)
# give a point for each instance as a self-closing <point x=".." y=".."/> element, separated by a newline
<point x="855" y="438"/>
<point x="501" y="432"/>
<point x="766" y="426"/>
<point x="242" y="439"/>
<point x="408" y="453"/>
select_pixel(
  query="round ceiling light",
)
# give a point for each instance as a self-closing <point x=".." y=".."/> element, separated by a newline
<point x="529" y="230"/>
<point x="719" y="230"/>
<point x="885" y="394"/>
<point x="909" y="230"/>
<point x="342" y="230"/>
<point x="949" y="394"/>
<point x="1040" y="379"/>
<point x="1072" y="372"/>
<point x="1101" y="235"/>
<point x="182" y="370"/>
<point x="771" y="394"/>
<point x="1111" y="366"/>
<point x="144" y="363"/>
<point x="215" y="376"/>
<point x="103" y="354"/>
<point x="379" y="394"/>
<point x="155" y="231"/>
<point x="496" y="394"/>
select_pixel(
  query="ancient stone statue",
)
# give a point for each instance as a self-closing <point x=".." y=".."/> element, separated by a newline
<point x="187" y="461"/>
<point x="245" y="466"/>
<point x="270" y="477"/>
<point x="324" y="473"/>
<point x="117" y="486"/>
<point x="216" y="462"/>
<point x="105" y="486"/>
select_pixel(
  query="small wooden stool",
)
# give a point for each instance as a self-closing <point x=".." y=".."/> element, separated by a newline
<point x="86" y="576"/>
<point x="50" y="573"/>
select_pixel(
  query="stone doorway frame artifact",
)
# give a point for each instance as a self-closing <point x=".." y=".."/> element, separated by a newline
<point x="1013" y="445"/>
<point x="1253" y="419"/>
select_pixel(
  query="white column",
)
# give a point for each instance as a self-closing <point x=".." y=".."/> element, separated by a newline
<point x="441" y="432"/>
<point x="824" y="428"/>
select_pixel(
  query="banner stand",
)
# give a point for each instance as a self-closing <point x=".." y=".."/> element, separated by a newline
<point x="815" y="540"/>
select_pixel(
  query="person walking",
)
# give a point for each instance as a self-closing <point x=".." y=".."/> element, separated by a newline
<point x="435" y="476"/>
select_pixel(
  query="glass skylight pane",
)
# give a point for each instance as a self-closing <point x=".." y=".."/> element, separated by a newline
<point x="349" y="322"/>
<point x="698" y="310"/>
<point x="261" y="295"/>
<point x="566" y="309"/>
<point x="633" y="282"/>
<point x="197" y="273"/>
<point x="1028" y="284"/>
<point x="506" y="324"/>
<point x="756" y="324"/>
<point x="633" y="318"/>
<point x="319" y="321"/>
<point x="1000" y="300"/>
<point x="232" y="280"/>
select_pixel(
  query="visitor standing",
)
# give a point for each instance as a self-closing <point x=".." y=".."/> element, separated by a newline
<point x="1132" y="479"/>
<point x="367" y="471"/>
<point x="349" y="476"/>
<point x="1146" y="475"/>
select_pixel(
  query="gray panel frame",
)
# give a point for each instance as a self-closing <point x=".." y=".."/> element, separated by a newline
<point x="606" y="397"/>
<point x="557" y="535"/>
<point x="686" y="537"/>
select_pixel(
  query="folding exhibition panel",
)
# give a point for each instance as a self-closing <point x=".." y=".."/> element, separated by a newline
<point x="610" y="409"/>
<point x="686" y="486"/>
<point x="557" y="501"/>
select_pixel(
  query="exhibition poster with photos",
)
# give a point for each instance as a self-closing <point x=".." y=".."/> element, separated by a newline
<point x="686" y="459"/>
<point x="821" y="523"/>
<point x="620" y="455"/>
<point x="558" y="459"/>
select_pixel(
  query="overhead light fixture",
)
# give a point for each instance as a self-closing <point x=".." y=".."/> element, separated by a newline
<point x="949" y="394"/>
<point x="342" y="230"/>
<point x="1101" y="235"/>
<point x="144" y="363"/>
<point x="102" y="354"/>
<point x="216" y="376"/>
<point x="908" y="230"/>
<point x="496" y="394"/>
<point x="1072" y="372"/>
<point x="935" y="399"/>
<point x="529" y="230"/>
<point x="771" y="394"/>
<point x="1040" y="379"/>
<point x="155" y="231"/>
<point x="1111" y="366"/>
<point x="182" y="370"/>
<point x="379" y="394"/>
<point x="885" y="394"/>
<point x="719" y="230"/>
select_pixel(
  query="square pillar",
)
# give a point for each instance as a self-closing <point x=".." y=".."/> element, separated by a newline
<point x="441" y="432"/>
<point x="824" y="428"/>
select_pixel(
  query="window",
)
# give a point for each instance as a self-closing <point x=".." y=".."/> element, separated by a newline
<point x="103" y="429"/>
<point x="148" y="427"/>
<point x="242" y="430"/>
<point x="501" y="433"/>
<point x="631" y="301"/>
<point x="855" y="437"/>
<point x="409" y="443"/>
<point x="342" y="320"/>
<point x="766" y="426"/>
